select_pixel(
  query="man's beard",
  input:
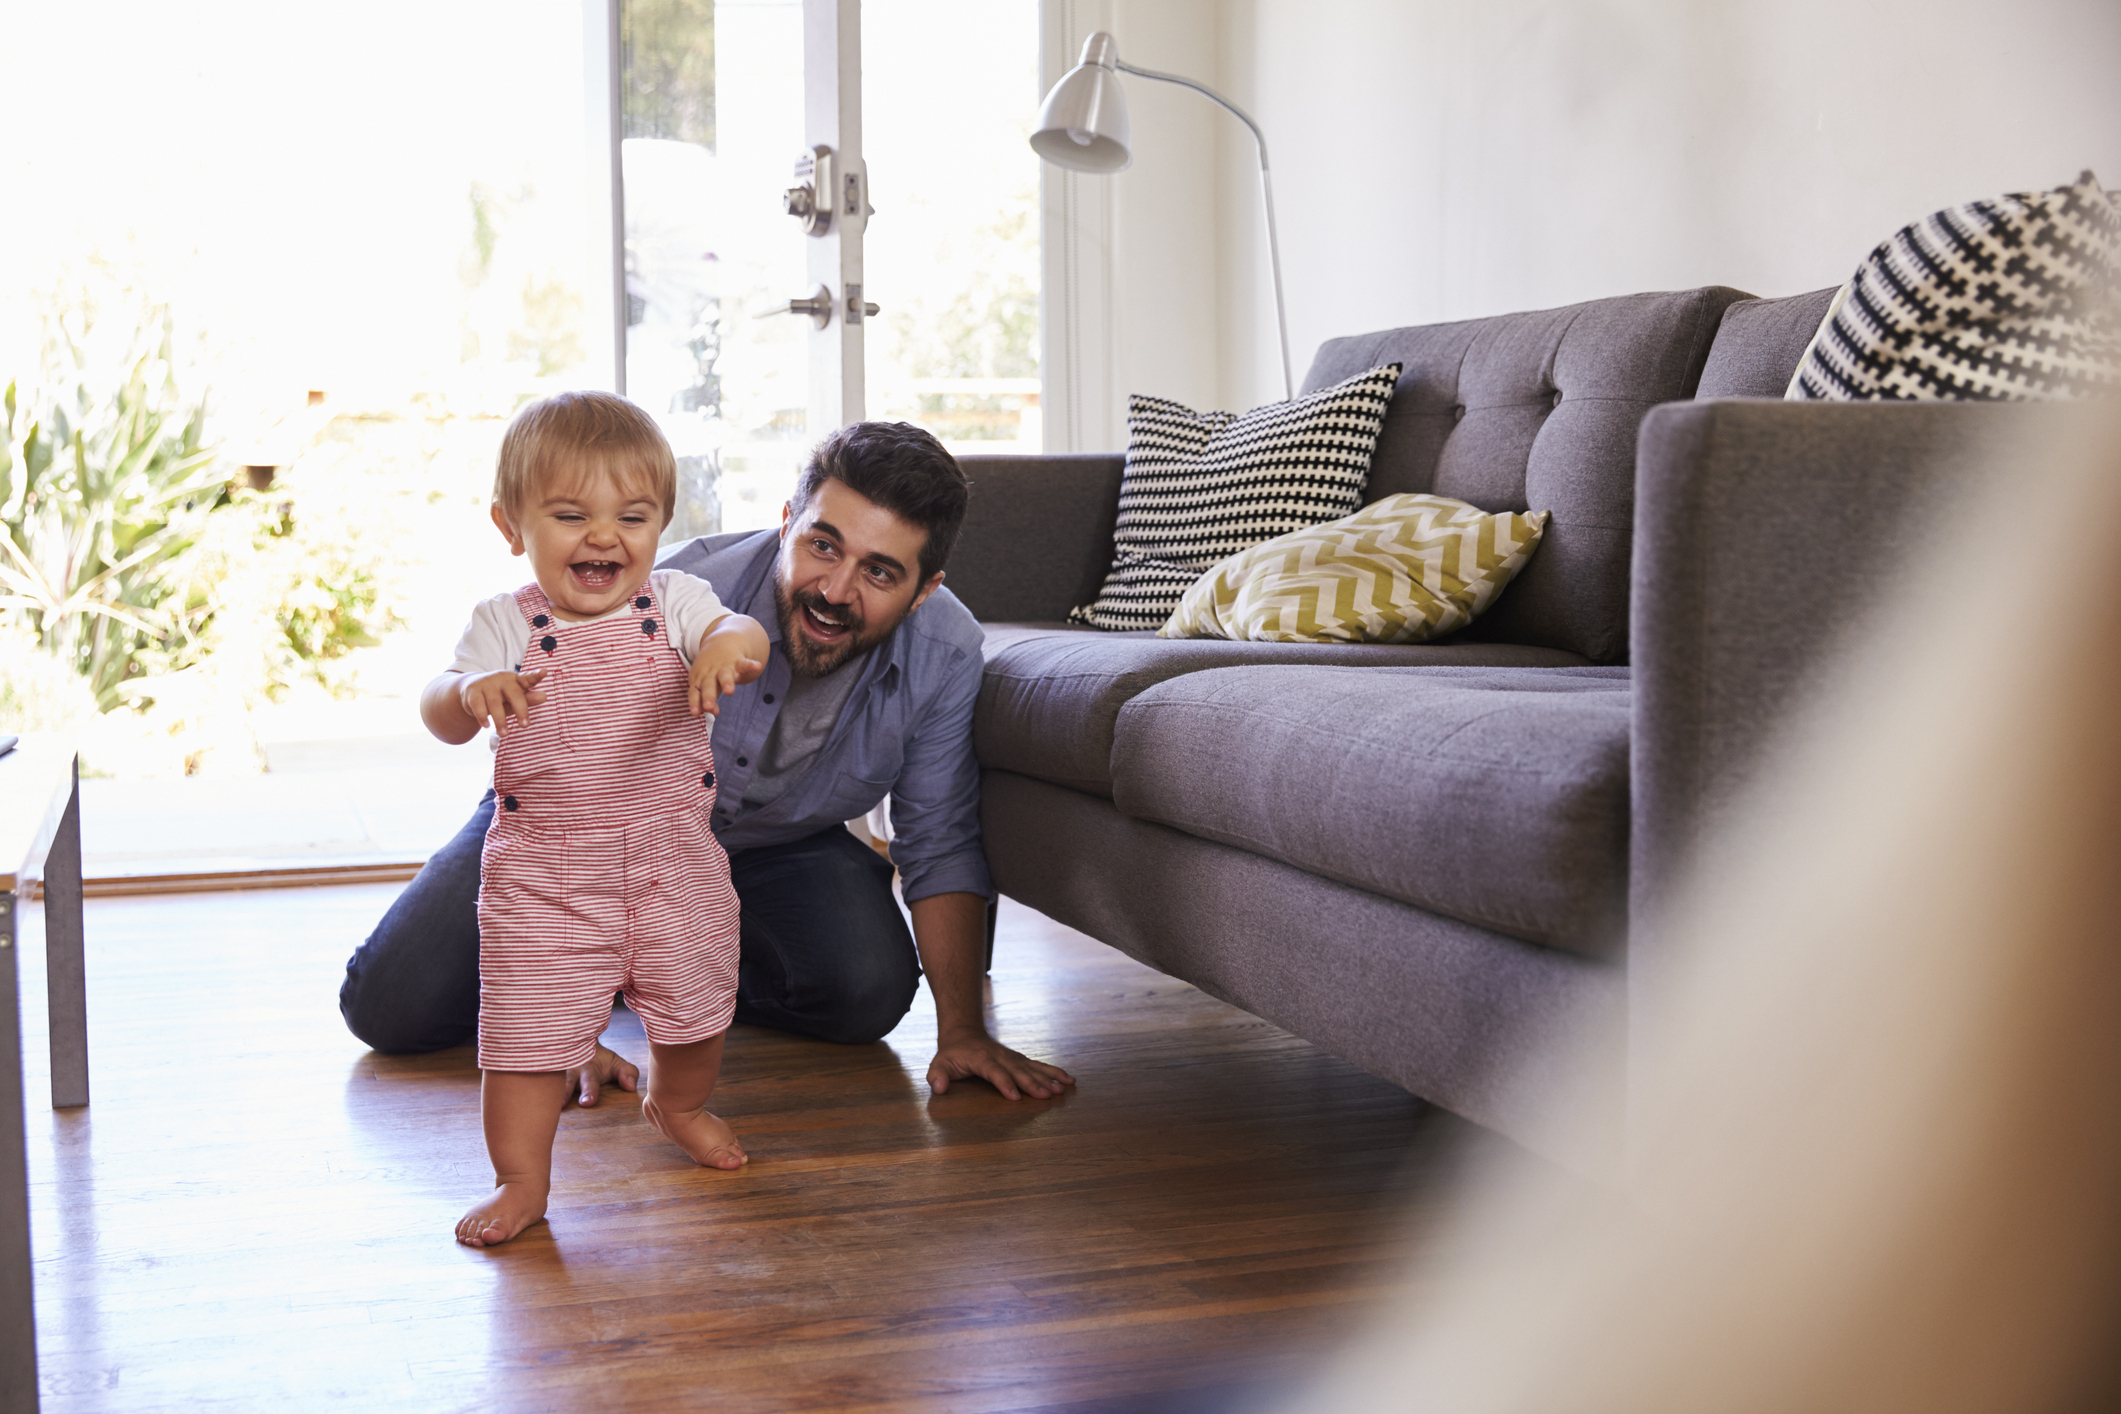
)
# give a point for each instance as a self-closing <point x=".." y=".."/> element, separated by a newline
<point x="812" y="660"/>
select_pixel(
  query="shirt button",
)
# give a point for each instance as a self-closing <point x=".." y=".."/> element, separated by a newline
<point x="769" y="697"/>
<point x="743" y="760"/>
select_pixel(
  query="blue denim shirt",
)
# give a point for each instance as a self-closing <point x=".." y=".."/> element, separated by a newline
<point x="906" y="730"/>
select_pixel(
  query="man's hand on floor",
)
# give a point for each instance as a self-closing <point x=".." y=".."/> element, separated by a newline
<point x="1011" y="1072"/>
<point x="607" y="1067"/>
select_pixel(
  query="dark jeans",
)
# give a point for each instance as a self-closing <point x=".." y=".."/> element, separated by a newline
<point x="826" y="951"/>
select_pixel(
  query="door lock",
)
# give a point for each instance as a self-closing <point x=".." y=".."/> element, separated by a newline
<point x="813" y="175"/>
<point x="818" y="306"/>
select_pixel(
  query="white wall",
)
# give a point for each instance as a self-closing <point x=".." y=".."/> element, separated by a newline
<point x="1440" y="159"/>
<point x="1133" y="261"/>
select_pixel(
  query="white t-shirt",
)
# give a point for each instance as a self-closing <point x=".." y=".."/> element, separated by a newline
<point x="499" y="636"/>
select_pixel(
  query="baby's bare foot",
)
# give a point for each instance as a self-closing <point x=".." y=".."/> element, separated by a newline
<point x="513" y="1207"/>
<point x="706" y="1137"/>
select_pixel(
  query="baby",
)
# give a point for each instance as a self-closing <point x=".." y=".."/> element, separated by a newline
<point x="599" y="873"/>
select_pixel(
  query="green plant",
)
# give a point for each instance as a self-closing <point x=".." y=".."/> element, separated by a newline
<point x="106" y="481"/>
<point x="666" y="53"/>
<point x="313" y="568"/>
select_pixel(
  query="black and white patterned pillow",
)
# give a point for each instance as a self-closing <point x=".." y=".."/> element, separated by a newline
<point x="1201" y="486"/>
<point x="2010" y="298"/>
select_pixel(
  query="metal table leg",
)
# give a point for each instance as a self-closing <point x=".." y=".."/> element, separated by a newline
<point x="18" y="1321"/>
<point x="66" y="974"/>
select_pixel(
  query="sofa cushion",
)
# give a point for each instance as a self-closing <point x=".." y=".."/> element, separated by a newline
<point x="1759" y="344"/>
<point x="1405" y="569"/>
<point x="1498" y="796"/>
<point x="1523" y="1038"/>
<point x="1201" y="486"/>
<point x="2008" y="297"/>
<point x="1052" y="693"/>
<point x="1037" y="537"/>
<point x="1537" y="412"/>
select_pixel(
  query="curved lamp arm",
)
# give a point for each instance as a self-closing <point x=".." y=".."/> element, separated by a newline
<point x="1242" y="116"/>
<point x="1266" y="188"/>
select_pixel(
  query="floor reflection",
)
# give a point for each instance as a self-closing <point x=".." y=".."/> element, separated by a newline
<point x="260" y="1211"/>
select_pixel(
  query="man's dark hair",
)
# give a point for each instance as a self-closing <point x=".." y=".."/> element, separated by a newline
<point x="901" y="468"/>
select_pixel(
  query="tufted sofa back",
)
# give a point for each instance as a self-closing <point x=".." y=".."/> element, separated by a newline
<point x="1538" y="412"/>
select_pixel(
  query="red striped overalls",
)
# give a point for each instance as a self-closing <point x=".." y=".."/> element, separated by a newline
<point x="600" y="873"/>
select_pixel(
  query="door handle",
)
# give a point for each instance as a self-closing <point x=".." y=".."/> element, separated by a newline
<point x="818" y="306"/>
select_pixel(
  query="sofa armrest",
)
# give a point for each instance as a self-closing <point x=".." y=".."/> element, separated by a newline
<point x="1037" y="538"/>
<point x="1765" y="533"/>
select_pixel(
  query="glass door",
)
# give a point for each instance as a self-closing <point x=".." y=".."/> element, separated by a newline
<point x="721" y="119"/>
<point x="744" y="185"/>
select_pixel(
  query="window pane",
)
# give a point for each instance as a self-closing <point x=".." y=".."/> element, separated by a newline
<point x="950" y="88"/>
<point x="369" y="224"/>
<point x="713" y="101"/>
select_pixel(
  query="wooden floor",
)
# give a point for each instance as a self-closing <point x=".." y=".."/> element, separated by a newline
<point x="255" y="1211"/>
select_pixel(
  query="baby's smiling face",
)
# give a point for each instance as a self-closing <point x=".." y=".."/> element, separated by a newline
<point x="590" y="539"/>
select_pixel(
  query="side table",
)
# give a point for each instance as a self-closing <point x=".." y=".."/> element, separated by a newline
<point x="40" y="839"/>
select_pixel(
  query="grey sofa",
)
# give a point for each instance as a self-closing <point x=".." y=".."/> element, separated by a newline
<point x="1424" y="858"/>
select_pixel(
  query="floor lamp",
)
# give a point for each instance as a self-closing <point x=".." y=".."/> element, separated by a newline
<point x="1083" y="127"/>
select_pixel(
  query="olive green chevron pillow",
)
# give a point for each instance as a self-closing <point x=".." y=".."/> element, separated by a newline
<point x="1402" y="570"/>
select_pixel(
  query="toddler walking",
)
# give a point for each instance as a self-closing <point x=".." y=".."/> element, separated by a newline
<point x="600" y="873"/>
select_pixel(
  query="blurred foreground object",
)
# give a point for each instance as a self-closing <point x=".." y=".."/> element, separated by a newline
<point x="1875" y="1133"/>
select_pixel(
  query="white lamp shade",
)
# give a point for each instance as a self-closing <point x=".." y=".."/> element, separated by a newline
<point x="1083" y="125"/>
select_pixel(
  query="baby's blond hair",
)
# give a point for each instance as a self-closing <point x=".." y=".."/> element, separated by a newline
<point x="583" y="434"/>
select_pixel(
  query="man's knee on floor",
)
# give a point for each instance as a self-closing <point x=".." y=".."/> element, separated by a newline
<point x="381" y="1018"/>
<point x="372" y="1026"/>
<point x="870" y="997"/>
<point x="413" y="984"/>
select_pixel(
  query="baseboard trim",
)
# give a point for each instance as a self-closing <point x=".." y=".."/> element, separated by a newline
<point x="292" y="876"/>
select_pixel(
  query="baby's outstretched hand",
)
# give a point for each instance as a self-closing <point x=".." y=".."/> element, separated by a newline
<point x="492" y="698"/>
<point x="716" y="675"/>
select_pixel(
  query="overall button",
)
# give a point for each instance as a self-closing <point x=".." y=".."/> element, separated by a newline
<point x="642" y="602"/>
<point x="647" y="625"/>
<point x="540" y="621"/>
<point x="548" y="643"/>
<point x="708" y="780"/>
<point x="508" y="801"/>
